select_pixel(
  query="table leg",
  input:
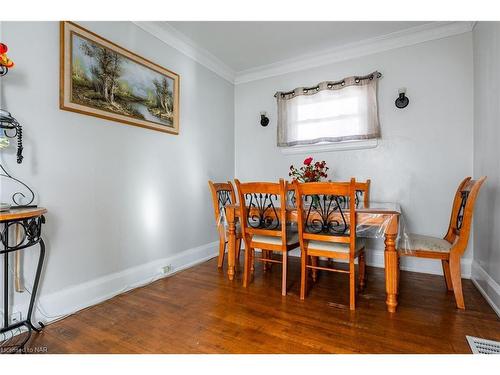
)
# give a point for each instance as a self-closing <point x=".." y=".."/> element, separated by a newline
<point x="391" y="266"/>
<point x="17" y="263"/>
<point x="231" y="242"/>
<point x="35" y="286"/>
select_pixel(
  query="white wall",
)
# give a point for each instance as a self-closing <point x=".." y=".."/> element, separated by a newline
<point x="425" y="151"/>
<point x="123" y="201"/>
<point x="486" y="266"/>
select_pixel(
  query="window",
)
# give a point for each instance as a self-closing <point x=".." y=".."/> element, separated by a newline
<point x="330" y="112"/>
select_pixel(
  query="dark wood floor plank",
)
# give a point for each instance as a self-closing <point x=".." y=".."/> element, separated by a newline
<point x="199" y="311"/>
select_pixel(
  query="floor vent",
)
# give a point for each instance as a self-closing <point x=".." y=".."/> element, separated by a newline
<point x="483" y="346"/>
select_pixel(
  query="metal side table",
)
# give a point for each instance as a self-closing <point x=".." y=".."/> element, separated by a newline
<point x="28" y="224"/>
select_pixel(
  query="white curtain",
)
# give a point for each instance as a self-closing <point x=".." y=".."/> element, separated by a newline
<point x="329" y="112"/>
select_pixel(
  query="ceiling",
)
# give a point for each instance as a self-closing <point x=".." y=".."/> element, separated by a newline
<point x="246" y="45"/>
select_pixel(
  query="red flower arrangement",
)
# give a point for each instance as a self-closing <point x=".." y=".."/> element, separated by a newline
<point x="4" y="60"/>
<point x="309" y="172"/>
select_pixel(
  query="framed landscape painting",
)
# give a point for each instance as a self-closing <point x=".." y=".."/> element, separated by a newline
<point x="102" y="79"/>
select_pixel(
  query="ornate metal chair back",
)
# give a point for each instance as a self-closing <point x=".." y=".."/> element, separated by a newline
<point x="363" y="193"/>
<point x="327" y="211"/>
<point x="462" y="212"/>
<point x="263" y="208"/>
<point x="222" y="195"/>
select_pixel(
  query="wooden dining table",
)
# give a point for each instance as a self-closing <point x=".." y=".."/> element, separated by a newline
<point x="383" y="218"/>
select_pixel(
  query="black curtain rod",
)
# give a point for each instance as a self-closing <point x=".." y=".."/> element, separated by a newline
<point x="331" y="84"/>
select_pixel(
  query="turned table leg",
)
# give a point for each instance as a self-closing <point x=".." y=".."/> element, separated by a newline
<point x="391" y="265"/>
<point x="231" y="242"/>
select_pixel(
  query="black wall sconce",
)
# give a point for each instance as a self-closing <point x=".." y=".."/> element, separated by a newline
<point x="264" y="120"/>
<point x="402" y="100"/>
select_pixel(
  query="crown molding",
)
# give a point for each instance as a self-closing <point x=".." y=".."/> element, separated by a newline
<point x="420" y="34"/>
<point x="412" y="36"/>
<point x="175" y="39"/>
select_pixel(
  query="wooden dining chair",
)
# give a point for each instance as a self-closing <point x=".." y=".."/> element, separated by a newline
<point x="450" y="248"/>
<point x="362" y="195"/>
<point x="264" y="226"/>
<point x="222" y="195"/>
<point x="363" y="189"/>
<point x="327" y="228"/>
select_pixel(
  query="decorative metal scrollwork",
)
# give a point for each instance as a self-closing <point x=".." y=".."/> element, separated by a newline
<point x="262" y="213"/>
<point x="292" y="200"/>
<point x="359" y="194"/>
<point x="29" y="235"/>
<point x="18" y="197"/>
<point x="325" y="214"/>
<point x="460" y="214"/>
<point x="223" y="199"/>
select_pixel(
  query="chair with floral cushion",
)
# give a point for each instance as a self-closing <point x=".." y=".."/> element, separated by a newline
<point x="222" y="195"/>
<point x="450" y="248"/>
<point x="264" y="226"/>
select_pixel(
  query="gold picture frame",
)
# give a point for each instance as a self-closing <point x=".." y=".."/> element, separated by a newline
<point x="101" y="79"/>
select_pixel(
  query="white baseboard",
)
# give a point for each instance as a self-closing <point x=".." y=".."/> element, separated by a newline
<point x="488" y="287"/>
<point x="375" y="258"/>
<point x="77" y="297"/>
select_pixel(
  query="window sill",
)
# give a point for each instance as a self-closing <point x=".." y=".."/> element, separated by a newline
<point x="340" y="146"/>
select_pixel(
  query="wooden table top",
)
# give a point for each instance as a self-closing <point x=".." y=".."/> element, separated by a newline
<point x="21" y="213"/>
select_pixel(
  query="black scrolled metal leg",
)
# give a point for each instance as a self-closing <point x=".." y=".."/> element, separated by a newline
<point x="32" y="228"/>
<point x="35" y="285"/>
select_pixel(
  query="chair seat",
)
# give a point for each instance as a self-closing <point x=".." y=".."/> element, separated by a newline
<point x="419" y="242"/>
<point x="335" y="246"/>
<point x="291" y="238"/>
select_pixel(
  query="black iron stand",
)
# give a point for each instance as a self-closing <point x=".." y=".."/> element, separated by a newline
<point x="31" y="236"/>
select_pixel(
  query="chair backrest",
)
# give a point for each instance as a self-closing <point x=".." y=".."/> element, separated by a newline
<point x="326" y="211"/>
<point x="263" y="208"/>
<point x="363" y="188"/>
<point x="222" y="195"/>
<point x="461" y="213"/>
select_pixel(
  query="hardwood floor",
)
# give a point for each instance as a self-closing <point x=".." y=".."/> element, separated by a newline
<point x="200" y="311"/>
